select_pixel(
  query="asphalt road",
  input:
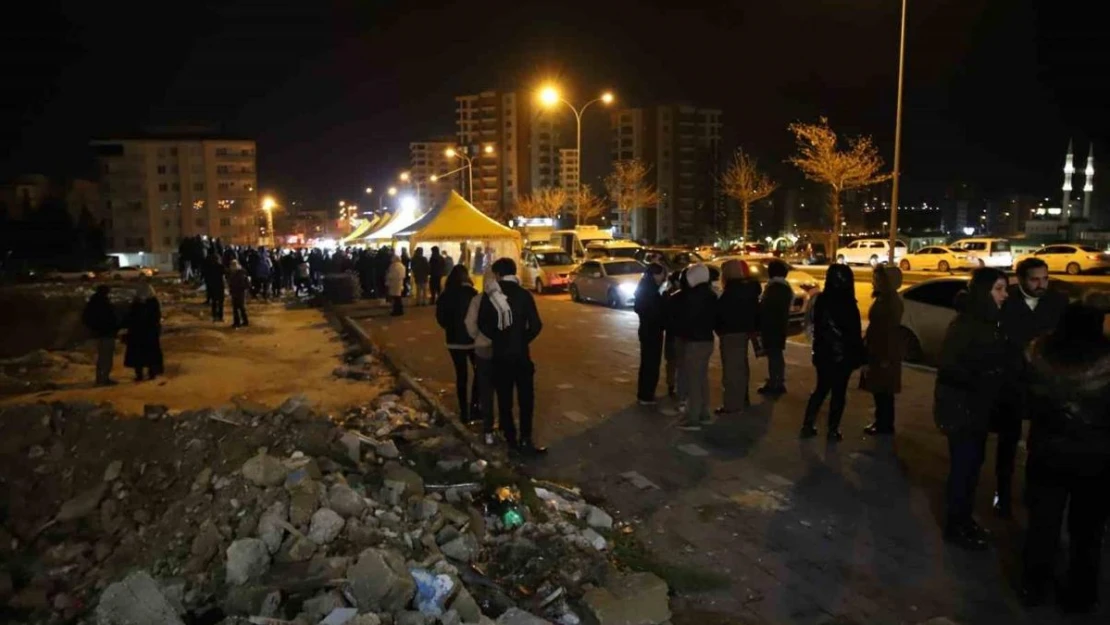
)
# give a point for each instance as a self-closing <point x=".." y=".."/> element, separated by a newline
<point x="797" y="531"/>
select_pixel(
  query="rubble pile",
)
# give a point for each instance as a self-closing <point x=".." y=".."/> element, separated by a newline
<point x="252" y="514"/>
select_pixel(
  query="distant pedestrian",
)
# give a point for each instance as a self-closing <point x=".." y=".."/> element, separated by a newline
<point x="406" y="262"/>
<point x="436" y="270"/>
<point x="395" y="285"/>
<point x="214" y="285"/>
<point x="510" y="318"/>
<point x="649" y="308"/>
<point x="144" y="334"/>
<point x="238" y="284"/>
<point x="837" y="348"/>
<point x="451" y="316"/>
<point x="696" y="315"/>
<point x="737" y="321"/>
<point x="671" y="352"/>
<point x="304" y="276"/>
<point x="1069" y="456"/>
<point x="101" y="320"/>
<point x="882" y="375"/>
<point x="420" y="268"/>
<point x="483" y="359"/>
<point x="974" y="363"/>
<point x="774" y="321"/>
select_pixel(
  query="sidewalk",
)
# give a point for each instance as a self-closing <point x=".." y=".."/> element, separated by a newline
<point x="754" y="525"/>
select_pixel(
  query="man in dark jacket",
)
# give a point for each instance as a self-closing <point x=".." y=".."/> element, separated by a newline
<point x="214" y="285"/>
<point x="437" y="267"/>
<point x="774" y="320"/>
<point x="695" y="317"/>
<point x="737" y="320"/>
<point x="1031" y="311"/>
<point x="649" y="308"/>
<point x="511" y="322"/>
<point x="1068" y="377"/>
<point x="100" y="318"/>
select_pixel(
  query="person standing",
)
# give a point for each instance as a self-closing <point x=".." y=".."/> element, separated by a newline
<point x="837" y="348"/>
<point x="510" y="318"/>
<point x="144" y="332"/>
<point x="1068" y="377"/>
<point x="974" y="363"/>
<point x="436" y="270"/>
<point x="100" y="318"/>
<point x="883" y="371"/>
<point x="649" y="309"/>
<point x="696" y="313"/>
<point x="451" y="316"/>
<point x="276" y="277"/>
<point x="406" y="261"/>
<point x="214" y="285"/>
<point x="774" y="320"/>
<point x="1031" y="311"/>
<point x="420" y="270"/>
<point x="395" y="285"/>
<point x="671" y="343"/>
<point x="483" y="358"/>
<point x="238" y="284"/>
<point x="737" y="321"/>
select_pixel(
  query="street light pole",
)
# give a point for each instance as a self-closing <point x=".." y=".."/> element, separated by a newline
<point x="897" y="139"/>
<point x="578" y="151"/>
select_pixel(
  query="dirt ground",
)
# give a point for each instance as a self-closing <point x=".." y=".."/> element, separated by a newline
<point x="288" y="349"/>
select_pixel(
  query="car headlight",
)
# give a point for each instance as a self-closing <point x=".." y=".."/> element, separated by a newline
<point x="627" y="289"/>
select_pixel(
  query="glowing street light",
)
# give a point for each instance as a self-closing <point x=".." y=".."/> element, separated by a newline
<point x="549" y="96"/>
<point x="404" y="176"/>
<point x="369" y="190"/>
<point x="469" y="164"/>
<point x="392" y="190"/>
<point x="488" y="149"/>
<point x="268" y="205"/>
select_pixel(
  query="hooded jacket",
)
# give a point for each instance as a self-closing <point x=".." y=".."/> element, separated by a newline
<point x="738" y="306"/>
<point x="837" y="329"/>
<point x="884" y="333"/>
<point x="695" y="308"/>
<point x="649" y="306"/>
<point x="774" y="307"/>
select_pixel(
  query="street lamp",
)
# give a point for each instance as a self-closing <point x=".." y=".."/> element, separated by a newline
<point x="897" y="139"/>
<point x="549" y="96"/>
<point x="369" y="190"/>
<point x="469" y="165"/>
<point x="268" y="205"/>
<point x="381" y="198"/>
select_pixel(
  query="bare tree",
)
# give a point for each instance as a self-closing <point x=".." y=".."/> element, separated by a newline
<point x="545" y="202"/>
<point x="628" y="188"/>
<point x="590" y="205"/>
<point x="822" y="160"/>
<point x="743" y="182"/>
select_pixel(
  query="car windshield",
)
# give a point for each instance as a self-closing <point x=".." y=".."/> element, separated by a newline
<point x="549" y="259"/>
<point x="623" y="268"/>
<point x="623" y="252"/>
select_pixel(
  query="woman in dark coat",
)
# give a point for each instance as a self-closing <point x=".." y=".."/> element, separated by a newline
<point x="737" y="320"/>
<point x="883" y="373"/>
<point x="649" y="309"/>
<point x="837" y="348"/>
<point x="144" y="332"/>
<point x="973" y="366"/>
<point x="774" y="321"/>
<point x="1069" y="455"/>
<point x="451" y="309"/>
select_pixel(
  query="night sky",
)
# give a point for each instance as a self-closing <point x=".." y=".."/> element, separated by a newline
<point x="333" y="92"/>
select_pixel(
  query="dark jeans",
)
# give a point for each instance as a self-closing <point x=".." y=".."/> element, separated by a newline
<point x="217" y="308"/>
<point x="518" y="374"/>
<point x="105" y="351"/>
<point x="483" y="380"/>
<point x="463" y="359"/>
<point x="965" y="459"/>
<point x="884" y="410"/>
<point x="398" y="306"/>
<point x="670" y="353"/>
<point x="434" y="287"/>
<point x="1051" y="491"/>
<point x="239" y="313"/>
<point x="651" y="357"/>
<point x="830" y="378"/>
<point x="776" y="368"/>
<point x="1008" y="426"/>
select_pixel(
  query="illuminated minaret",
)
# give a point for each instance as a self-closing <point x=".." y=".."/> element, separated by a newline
<point x="1069" y="169"/>
<point x="1088" y="182"/>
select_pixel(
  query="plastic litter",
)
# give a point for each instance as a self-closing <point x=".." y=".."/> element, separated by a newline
<point x="432" y="591"/>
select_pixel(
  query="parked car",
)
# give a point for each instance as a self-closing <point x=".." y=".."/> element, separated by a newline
<point x="929" y="307"/>
<point x="806" y="254"/>
<point x="546" y="267"/>
<point x="615" y="248"/>
<point x="937" y="257"/>
<point x="869" y="252"/>
<point x="673" y="258"/>
<point x="801" y="282"/>
<point x="609" y="281"/>
<point x="1072" y="258"/>
<point x="987" y="252"/>
<point x="131" y="272"/>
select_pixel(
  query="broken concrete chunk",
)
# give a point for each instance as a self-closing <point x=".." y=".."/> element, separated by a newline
<point x="344" y="500"/>
<point x="414" y="484"/>
<point x="247" y="559"/>
<point x="463" y="548"/>
<point x="271" y="526"/>
<point x="516" y="616"/>
<point x="113" y="470"/>
<point x="326" y="525"/>
<point x="387" y="449"/>
<point x="380" y="582"/>
<point x="83" y="504"/>
<point x="598" y="518"/>
<point x="264" y="470"/>
<point x="137" y="599"/>
<point x="597" y="541"/>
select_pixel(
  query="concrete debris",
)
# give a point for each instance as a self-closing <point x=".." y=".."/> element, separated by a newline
<point x="271" y="526"/>
<point x="380" y="582"/>
<point x="264" y="470"/>
<point x="344" y="500"/>
<point x="135" y="600"/>
<point x="388" y="450"/>
<point x="326" y="525"/>
<point x="515" y="616"/>
<point x="340" y="616"/>
<point x="463" y="548"/>
<point x="597" y="541"/>
<point x="112" y="471"/>
<point x="247" y="559"/>
<point x="83" y="504"/>
<point x="598" y="518"/>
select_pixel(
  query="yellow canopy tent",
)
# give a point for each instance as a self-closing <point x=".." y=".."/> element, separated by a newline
<point x="459" y="229"/>
<point x="364" y="227"/>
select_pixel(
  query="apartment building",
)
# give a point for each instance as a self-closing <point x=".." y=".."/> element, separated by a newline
<point x="156" y="191"/>
<point x="569" y="169"/>
<point x="682" y="147"/>
<point x="428" y="159"/>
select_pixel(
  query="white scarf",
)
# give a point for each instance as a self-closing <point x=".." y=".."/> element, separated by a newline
<point x="500" y="302"/>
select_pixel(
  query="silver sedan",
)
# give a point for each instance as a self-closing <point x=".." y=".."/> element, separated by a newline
<point x="609" y="281"/>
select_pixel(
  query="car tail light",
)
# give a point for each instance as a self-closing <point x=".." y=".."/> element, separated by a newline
<point x="1094" y="256"/>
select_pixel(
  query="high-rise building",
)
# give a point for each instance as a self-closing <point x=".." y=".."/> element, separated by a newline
<point x="681" y="146"/>
<point x="156" y="191"/>
<point x="427" y="159"/>
<point x="569" y="169"/>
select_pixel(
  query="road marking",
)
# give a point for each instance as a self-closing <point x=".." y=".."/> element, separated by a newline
<point x="691" y="449"/>
<point x="564" y="386"/>
<point x="639" y="481"/>
<point x="576" y="416"/>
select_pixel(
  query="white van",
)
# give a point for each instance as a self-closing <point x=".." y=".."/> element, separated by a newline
<point x="574" y="241"/>
<point x="870" y="252"/>
<point x="615" y="248"/>
<point x="987" y="252"/>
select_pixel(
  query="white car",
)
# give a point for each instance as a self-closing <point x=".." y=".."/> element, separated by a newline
<point x="987" y="252"/>
<point x="937" y="257"/>
<point x="546" y="267"/>
<point x="1072" y="258"/>
<point x="802" y="283"/>
<point x="928" y="308"/>
<point x="610" y="281"/>
<point x="869" y="252"/>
